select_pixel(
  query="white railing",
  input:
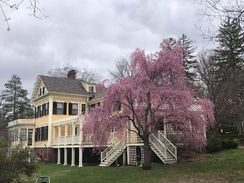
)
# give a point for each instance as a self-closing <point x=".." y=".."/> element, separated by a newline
<point x="107" y="151"/>
<point x="61" y="140"/>
<point x="69" y="140"/>
<point x="76" y="139"/>
<point x="159" y="146"/>
<point x="170" y="147"/>
<point x="112" y="149"/>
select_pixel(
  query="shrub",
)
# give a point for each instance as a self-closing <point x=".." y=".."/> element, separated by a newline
<point x="230" y="143"/>
<point x="214" y="144"/>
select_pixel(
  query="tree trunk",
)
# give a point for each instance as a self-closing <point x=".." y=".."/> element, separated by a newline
<point x="147" y="155"/>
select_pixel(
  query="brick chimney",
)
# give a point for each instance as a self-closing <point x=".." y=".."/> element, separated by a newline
<point x="71" y="74"/>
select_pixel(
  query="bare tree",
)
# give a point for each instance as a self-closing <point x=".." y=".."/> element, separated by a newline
<point x="33" y="7"/>
<point x="121" y="69"/>
<point x="85" y="74"/>
<point x="228" y="105"/>
<point x="222" y="8"/>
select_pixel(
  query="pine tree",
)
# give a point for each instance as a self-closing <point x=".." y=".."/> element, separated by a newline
<point x="15" y="101"/>
<point x="229" y="61"/>
<point x="229" y="54"/>
<point x="189" y="60"/>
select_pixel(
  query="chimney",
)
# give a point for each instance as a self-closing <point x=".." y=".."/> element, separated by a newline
<point x="71" y="74"/>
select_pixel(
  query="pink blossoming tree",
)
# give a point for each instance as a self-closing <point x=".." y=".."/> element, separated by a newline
<point x="153" y="95"/>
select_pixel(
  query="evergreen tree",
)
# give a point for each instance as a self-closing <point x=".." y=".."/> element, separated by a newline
<point x="229" y="61"/>
<point x="3" y="122"/>
<point x="15" y="101"/>
<point x="230" y="53"/>
<point x="189" y="60"/>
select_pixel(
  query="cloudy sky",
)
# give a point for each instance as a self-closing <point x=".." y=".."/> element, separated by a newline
<point x="90" y="33"/>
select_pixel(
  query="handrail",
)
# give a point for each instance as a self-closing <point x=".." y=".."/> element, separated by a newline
<point x="107" y="152"/>
<point x="170" y="147"/>
<point x="156" y="140"/>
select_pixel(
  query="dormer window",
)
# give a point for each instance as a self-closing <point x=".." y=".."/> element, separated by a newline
<point x="91" y="88"/>
<point x="41" y="91"/>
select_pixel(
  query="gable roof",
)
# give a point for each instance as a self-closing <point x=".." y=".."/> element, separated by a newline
<point x="63" y="85"/>
<point x="100" y="93"/>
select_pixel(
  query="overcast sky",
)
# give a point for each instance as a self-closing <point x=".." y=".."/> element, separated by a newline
<point x="90" y="33"/>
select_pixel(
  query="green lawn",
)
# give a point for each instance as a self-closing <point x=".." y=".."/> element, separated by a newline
<point x="226" y="166"/>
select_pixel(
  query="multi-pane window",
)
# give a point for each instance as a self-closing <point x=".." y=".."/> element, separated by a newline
<point x="117" y="106"/>
<point x="114" y="129"/>
<point x="91" y="89"/>
<point x="59" y="108"/>
<point x="23" y="134"/>
<point x="77" y="130"/>
<point x="41" y="91"/>
<point x="73" y="109"/>
<point x="41" y="134"/>
<point x="83" y="108"/>
<point x="42" y="110"/>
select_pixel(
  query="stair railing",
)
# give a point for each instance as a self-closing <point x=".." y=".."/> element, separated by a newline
<point x="157" y="143"/>
<point x="105" y="153"/>
<point x="170" y="147"/>
<point x="111" y="149"/>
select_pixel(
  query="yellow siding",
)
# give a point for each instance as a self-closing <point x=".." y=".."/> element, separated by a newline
<point x="43" y="121"/>
<point x="40" y="144"/>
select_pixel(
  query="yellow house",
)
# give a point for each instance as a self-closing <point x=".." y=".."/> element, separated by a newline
<point x="55" y="133"/>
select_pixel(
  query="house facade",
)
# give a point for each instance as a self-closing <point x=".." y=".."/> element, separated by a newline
<point x="56" y="134"/>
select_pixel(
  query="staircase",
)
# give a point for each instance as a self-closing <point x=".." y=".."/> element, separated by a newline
<point x="109" y="155"/>
<point x="132" y="155"/>
<point x="163" y="148"/>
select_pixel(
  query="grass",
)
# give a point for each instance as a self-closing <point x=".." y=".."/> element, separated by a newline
<point x="222" y="167"/>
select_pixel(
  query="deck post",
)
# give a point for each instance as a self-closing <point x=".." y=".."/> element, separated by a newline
<point x="80" y="157"/>
<point x="58" y="156"/>
<point x="124" y="158"/>
<point x="73" y="157"/>
<point x="128" y="155"/>
<point x="65" y="156"/>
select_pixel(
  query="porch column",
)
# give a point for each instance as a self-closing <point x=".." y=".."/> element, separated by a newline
<point x="73" y="157"/>
<point x="59" y="133"/>
<point x="124" y="158"/>
<point x="165" y="129"/>
<point x="128" y="155"/>
<point x="65" y="132"/>
<point x="58" y="156"/>
<point x="73" y="133"/>
<point x="65" y="156"/>
<point x="80" y="157"/>
<point x="50" y="131"/>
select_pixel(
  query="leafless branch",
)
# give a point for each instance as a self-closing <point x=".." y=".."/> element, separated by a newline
<point x="33" y="6"/>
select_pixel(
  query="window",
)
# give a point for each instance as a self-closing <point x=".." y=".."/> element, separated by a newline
<point x="92" y="106"/>
<point x="39" y="111"/>
<point x="59" y="108"/>
<point x="41" y="134"/>
<point x="117" y="106"/>
<point x="23" y="134"/>
<point x="83" y="108"/>
<point x="98" y="104"/>
<point x="42" y="110"/>
<point x="73" y="109"/>
<point x="91" y="89"/>
<point x="40" y="91"/>
<point x="114" y="129"/>
<point x="77" y="130"/>
<point x="43" y="90"/>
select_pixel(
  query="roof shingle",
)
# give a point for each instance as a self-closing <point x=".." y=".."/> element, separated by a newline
<point x="63" y="85"/>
